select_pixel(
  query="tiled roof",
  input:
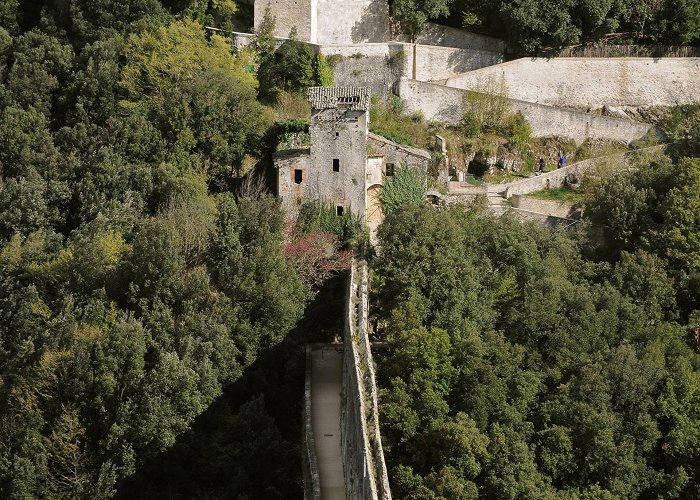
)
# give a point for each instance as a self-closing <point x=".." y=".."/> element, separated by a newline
<point x="355" y="98"/>
<point x="408" y="149"/>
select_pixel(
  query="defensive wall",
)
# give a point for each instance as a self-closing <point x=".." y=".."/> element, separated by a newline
<point x="585" y="83"/>
<point x="363" y="457"/>
<point x="379" y="66"/>
<point x="447" y="104"/>
<point x="328" y="21"/>
<point x="445" y="36"/>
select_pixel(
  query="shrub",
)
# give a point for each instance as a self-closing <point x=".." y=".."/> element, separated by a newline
<point x="406" y="187"/>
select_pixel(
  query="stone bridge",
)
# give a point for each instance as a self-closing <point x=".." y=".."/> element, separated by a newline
<point x="343" y="448"/>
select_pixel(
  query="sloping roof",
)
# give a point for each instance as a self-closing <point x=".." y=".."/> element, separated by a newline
<point x="355" y="98"/>
<point x="408" y="149"/>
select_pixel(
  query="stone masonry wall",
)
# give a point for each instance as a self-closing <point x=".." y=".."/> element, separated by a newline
<point x="380" y="65"/>
<point x="446" y="104"/>
<point x="363" y="457"/>
<point x="549" y="208"/>
<point x="288" y="14"/>
<point x="445" y="36"/>
<point x="352" y="21"/>
<point x="593" y="82"/>
<point x="345" y="141"/>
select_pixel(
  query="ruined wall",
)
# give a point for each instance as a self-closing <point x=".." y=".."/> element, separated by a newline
<point x="352" y="21"/>
<point x="446" y="104"/>
<point x="363" y="457"/>
<point x="312" y="478"/>
<point x="594" y="82"/>
<point x="396" y="154"/>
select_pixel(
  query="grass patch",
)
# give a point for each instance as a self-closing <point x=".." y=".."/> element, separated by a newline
<point x="563" y="194"/>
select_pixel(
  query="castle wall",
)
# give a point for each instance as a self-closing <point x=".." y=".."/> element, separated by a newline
<point x="352" y="21"/>
<point x="288" y="14"/>
<point x="292" y="193"/>
<point x="593" y="82"/>
<point x="380" y="65"/>
<point x="445" y="36"/>
<point x="446" y="104"/>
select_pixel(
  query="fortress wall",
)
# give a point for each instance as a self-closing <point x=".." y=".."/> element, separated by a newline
<point x="436" y="34"/>
<point x="440" y="63"/>
<point x="593" y="82"/>
<point x="446" y="104"/>
<point x="352" y="21"/>
<point x="380" y="65"/>
<point x="288" y="14"/>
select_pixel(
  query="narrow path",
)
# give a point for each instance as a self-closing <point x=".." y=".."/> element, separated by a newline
<point x="326" y="383"/>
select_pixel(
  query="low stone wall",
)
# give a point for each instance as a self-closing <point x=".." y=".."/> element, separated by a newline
<point x="545" y="207"/>
<point x="555" y="178"/>
<point x="586" y="83"/>
<point x="363" y="457"/>
<point x="312" y="478"/>
<point x="447" y="104"/>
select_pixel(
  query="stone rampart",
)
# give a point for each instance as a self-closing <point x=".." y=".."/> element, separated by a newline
<point x="363" y="458"/>
<point x="352" y="21"/>
<point x="380" y="65"/>
<point x="447" y="104"/>
<point x="591" y="83"/>
<point x="445" y="36"/>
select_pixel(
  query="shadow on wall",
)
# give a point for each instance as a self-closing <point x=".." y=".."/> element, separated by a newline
<point x="372" y="26"/>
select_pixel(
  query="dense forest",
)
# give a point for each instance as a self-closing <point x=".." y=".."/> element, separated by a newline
<point x="140" y="283"/>
<point x="531" y="26"/>
<point x="153" y="307"/>
<point x="522" y="363"/>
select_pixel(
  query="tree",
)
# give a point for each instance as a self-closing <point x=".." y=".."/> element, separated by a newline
<point x="413" y="14"/>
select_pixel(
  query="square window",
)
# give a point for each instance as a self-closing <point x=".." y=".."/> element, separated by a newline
<point x="337" y="134"/>
<point x="298" y="176"/>
<point x="389" y="169"/>
<point x="339" y="210"/>
<point x="336" y="165"/>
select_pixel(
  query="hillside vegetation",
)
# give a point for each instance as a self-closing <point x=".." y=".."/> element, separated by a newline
<point x="525" y="363"/>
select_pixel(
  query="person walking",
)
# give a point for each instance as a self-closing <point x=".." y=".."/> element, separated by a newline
<point x="541" y="165"/>
<point x="562" y="160"/>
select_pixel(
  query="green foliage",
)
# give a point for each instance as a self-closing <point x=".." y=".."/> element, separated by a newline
<point x="517" y="368"/>
<point x="413" y="14"/>
<point x="488" y="110"/>
<point x="315" y="215"/>
<point x="406" y="187"/>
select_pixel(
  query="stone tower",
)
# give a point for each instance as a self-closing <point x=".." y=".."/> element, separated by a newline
<point x="338" y="155"/>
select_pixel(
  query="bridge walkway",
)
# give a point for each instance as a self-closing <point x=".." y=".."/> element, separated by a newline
<point x="326" y="387"/>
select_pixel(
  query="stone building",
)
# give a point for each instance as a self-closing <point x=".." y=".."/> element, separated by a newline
<point x="345" y="165"/>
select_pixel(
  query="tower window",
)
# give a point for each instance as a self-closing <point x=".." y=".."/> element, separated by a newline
<point x="336" y="164"/>
<point x="298" y="176"/>
<point x="337" y="134"/>
<point x="339" y="210"/>
<point x="389" y="169"/>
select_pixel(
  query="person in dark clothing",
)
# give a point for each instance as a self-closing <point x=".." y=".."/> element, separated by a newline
<point x="541" y="165"/>
<point x="562" y="161"/>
